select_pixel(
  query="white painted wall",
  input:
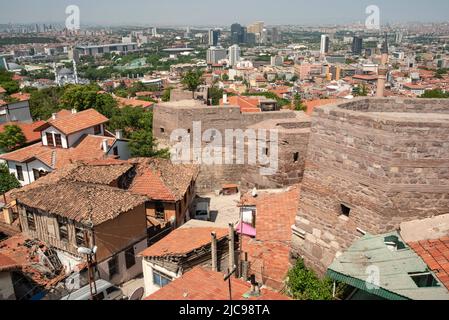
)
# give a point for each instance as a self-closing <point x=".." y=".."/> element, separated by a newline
<point x="148" y="268"/>
<point x="73" y="138"/>
<point x="53" y="131"/>
<point x="28" y="170"/>
<point x="123" y="149"/>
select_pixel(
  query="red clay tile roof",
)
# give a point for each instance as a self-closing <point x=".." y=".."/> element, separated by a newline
<point x="88" y="148"/>
<point x="7" y="264"/>
<point x="21" y="96"/>
<point x="201" y="284"/>
<point x="435" y="254"/>
<point x="135" y="103"/>
<point x="28" y="129"/>
<point x="246" y="104"/>
<point x="69" y="123"/>
<point x="160" y="179"/>
<point x="182" y="241"/>
<point x="269" y="253"/>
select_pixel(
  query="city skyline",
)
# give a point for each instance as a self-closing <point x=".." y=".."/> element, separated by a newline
<point x="139" y="12"/>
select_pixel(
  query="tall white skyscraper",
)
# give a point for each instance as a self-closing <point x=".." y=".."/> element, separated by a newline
<point x="215" y="54"/>
<point x="325" y="44"/>
<point x="234" y="55"/>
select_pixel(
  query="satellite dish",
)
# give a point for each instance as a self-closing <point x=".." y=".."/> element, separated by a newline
<point x="137" y="294"/>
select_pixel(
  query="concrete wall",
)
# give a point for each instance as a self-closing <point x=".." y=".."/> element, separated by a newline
<point x="385" y="159"/>
<point x="6" y="287"/>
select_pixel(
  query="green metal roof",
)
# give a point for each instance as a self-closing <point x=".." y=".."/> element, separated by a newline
<point x="395" y="269"/>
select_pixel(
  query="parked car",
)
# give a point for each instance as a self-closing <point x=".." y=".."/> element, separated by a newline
<point x="106" y="291"/>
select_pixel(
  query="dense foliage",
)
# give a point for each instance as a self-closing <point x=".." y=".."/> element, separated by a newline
<point x="7" y="180"/>
<point x="12" y="138"/>
<point x="435" y="94"/>
<point x="304" y="284"/>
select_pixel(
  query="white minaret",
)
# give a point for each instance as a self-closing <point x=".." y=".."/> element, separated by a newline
<point x="75" y="71"/>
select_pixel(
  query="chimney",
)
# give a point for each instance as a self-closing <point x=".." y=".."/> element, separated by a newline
<point x="232" y="248"/>
<point x="214" y="252"/>
<point x="119" y="134"/>
<point x="74" y="111"/>
<point x="225" y="98"/>
<point x="105" y="146"/>
<point x="54" y="116"/>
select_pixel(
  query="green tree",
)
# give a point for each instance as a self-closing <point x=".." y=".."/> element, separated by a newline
<point x="7" y="181"/>
<point x="7" y="83"/>
<point x="435" y="94"/>
<point x="299" y="105"/>
<point x="166" y="95"/>
<point x="215" y="94"/>
<point x="12" y="138"/>
<point x="45" y="102"/>
<point x="192" y="80"/>
<point x="303" y="284"/>
<point x="142" y="144"/>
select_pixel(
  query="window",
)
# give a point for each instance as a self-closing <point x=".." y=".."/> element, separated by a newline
<point x="97" y="129"/>
<point x="38" y="174"/>
<point x="19" y="170"/>
<point x="50" y="141"/>
<point x="63" y="229"/>
<point x="58" y="140"/>
<point x="425" y="280"/>
<point x="160" y="210"/>
<point x="266" y="151"/>
<point x="113" y="267"/>
<point x="296" y="157"/>
<point x="30" y="221"/>
<point x="345" y="210"/>
<point x="130" y="258"/>
<point x="115" y="151"/>
<point x="80" y="239"/>
<point x="162" y="130"/>
<point x="160" y="279"/>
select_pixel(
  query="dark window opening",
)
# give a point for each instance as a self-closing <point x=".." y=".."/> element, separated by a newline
<point x="63" y="229"/>
<point x="296" y="157"/>
<point x="97" y="130"/>
<point x="58" y="140"/>
<point x="160" y="210"/>
<point x="345" y="210"/>
<point x="113" y="267"/>
<point x="50" y="141"/>
<point x="266" y="151"/>
<point x="424" y="280"/>
<point x="115" y="151"/>
<point x="30" y="221"/>
<point x="19" y="170"/>
<point x="162" y="130"/>
<point x="80" y="239"/>
<point x="39" y="174"/>
<point x="130" y="258"/>
<point x="160" y="279"/>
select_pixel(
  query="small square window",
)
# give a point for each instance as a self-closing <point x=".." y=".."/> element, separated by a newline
<point x="296" y="157"/>
<point x="162" y="130"/>
<point x="345" y="210"/>
<point x="113" y="267"/>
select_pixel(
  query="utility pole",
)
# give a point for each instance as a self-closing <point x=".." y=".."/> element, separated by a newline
<point x="214" y="252"/>
<point x="228" y="278"/>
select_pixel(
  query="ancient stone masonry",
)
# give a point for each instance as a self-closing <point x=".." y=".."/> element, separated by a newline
<point x="371" y="164"/>
<point x="294" y="129"/>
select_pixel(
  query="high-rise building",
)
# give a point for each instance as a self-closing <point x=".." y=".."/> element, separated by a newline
<point x="213" y="37"/>
<point x="357" y="46"/>
<point x="399" y="36"/>
<point x="238" y="34"/>
<point x="215" y="54"/>
<point x="325" y="44"/>
<point x="154" y="32"/>
<point x="256" y="27"/>
<point x="234" y="55"/>
<point x="275" y="35"/>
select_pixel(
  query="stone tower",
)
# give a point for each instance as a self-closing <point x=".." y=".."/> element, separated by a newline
<point x="383" y="69"/>
<point x="372" y="164"/>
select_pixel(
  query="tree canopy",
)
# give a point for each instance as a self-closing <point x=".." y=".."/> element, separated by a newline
<point x="435" y="94"/>
<point x="7" y="180"/>
<point x="12" y="138"/>
<point x="192" y="80"/>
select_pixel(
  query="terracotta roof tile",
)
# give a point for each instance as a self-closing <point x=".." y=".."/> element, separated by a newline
<point x="435" y="254"/>
<point x="182" y="241"/>
<point x="28" y="129"/>
<point x="69" y="123"/>
<point x="81" y="201"/>
<point x="202" y="284"/>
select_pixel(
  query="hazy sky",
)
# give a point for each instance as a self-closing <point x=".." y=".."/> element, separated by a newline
<point x="224" y="12"/>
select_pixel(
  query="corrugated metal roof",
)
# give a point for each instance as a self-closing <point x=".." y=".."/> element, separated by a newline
<point x="394" y="267"/>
